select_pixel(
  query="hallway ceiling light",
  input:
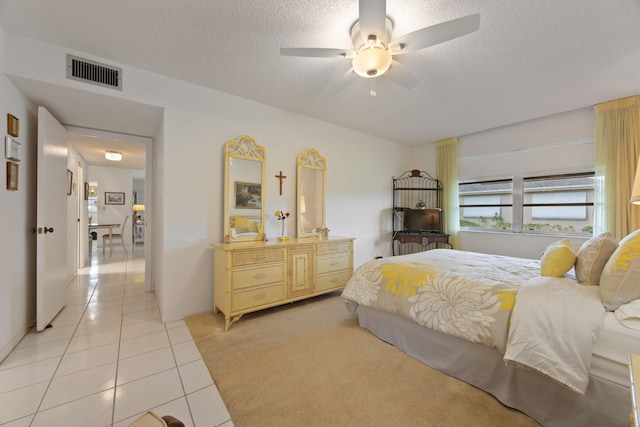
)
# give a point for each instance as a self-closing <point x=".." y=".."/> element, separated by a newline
<point x="113" y="155"/>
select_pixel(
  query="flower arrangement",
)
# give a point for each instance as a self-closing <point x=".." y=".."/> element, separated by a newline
<point x="281" y="216"/>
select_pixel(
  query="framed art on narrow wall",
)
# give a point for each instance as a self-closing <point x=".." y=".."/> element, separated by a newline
<point x="12" y="176"/>
<point x="13" y="125"/>
<point x="11" y="149"/>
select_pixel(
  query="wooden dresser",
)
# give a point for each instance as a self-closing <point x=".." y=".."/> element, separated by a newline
<point x="253" y="276"/>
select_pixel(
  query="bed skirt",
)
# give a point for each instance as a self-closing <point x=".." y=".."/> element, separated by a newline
<point x="551" y="404"/>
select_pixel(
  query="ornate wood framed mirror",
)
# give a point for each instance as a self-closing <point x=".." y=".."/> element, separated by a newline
<point x="311" y="187"/>
<point x="244" y="180"/>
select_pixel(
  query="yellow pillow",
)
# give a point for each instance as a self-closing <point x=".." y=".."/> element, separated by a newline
<point x="242" y="222"/>
<point x="558" y="258"/>
<point x="619" y="282"/>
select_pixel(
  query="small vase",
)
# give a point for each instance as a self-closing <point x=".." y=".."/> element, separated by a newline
<point x="282" y="237"/>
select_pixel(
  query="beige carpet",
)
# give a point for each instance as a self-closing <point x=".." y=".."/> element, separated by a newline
<point x="310" y="364"/>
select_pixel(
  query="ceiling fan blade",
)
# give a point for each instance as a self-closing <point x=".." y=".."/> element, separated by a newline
<point x="400" y="75"/>
<point x="373" y="15"/>
<point x="435" y="34"/>
<point x="316" y="52"/>
<point x="342" y="82"/>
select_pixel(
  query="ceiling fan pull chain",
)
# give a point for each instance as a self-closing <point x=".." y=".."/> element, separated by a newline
<point x="373" y="88"/>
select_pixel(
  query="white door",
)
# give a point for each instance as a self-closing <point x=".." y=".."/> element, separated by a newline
<point x="51" y="252"/>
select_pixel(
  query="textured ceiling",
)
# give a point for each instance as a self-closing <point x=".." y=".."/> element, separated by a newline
<point x="529" y="59"/>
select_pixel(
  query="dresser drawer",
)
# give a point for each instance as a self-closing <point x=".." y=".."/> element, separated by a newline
<point x="331" y="281"/>
<point x="333" y="263"/>
<point x="256" y="257"/>
<point x="255" y="276"/>
<point x="333" y="248"/>
<point x="242" y="300"/>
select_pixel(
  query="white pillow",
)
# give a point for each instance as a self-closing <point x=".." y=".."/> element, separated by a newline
<point x="619" y="283"/>
<point x="593" y="256"/>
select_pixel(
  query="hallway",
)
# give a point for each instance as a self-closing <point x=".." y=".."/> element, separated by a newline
<point x="107" y="358"/>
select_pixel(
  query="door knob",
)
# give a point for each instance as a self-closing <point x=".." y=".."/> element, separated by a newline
<point x="48" y="230"/>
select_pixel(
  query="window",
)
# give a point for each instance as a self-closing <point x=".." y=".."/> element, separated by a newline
<point x="557" y="211"/>
<point x="546" y="204"/>
<point x="481" y="206"/>
<point x="486" y="204"/>
<point x="559" y="203"/>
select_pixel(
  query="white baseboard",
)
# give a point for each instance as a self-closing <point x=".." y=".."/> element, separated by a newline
<point x="14" y="342"/>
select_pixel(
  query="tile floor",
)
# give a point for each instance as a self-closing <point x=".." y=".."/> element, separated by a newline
<point x="108" y="358"/>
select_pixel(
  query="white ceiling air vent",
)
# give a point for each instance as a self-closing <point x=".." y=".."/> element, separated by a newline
<point x="93" y="72"/>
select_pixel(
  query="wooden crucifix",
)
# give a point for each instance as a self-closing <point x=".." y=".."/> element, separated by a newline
<point x="281" y="177"/>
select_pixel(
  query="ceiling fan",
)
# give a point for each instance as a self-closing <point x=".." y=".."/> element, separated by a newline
<point x="374" y="49"/>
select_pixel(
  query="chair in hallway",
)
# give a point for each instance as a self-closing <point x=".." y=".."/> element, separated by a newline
<point x="118" y="235"/>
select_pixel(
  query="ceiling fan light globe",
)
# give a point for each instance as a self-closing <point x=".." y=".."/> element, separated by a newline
<point x="372" y="61"/>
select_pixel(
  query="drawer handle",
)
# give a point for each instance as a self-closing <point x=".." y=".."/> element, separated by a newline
<point x="263" y="256"/>
<point x="259" y="276"/>
<point x="333" y="263"/>
<point x="334" y="280"/>
<point x="260" y="296"/>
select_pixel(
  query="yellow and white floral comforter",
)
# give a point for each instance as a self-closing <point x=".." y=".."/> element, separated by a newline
<point x="464" y="294"/>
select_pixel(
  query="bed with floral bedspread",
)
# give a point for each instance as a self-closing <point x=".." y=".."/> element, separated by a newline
<point x="548" y="324"/>
<point x="463" y="294"/>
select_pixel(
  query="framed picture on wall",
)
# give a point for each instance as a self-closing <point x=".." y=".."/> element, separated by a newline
<point x="248" y="195"/>
<point x="11" y="149"/>
<point x="13" y="125"/>
<point x="113" y="198"/>
<point x="12" y="176"/>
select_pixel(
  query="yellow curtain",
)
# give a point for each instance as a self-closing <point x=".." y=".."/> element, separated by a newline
<point x="447" y="172"/>
<point x="617" y="147"/>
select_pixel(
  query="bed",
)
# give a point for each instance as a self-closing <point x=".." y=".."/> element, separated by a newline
<point x="244" y="225"/>
<point x="549" y="346"/>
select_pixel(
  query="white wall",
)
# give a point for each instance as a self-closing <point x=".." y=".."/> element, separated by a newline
<point x="553" y="144"/>
<point x="187" y="179"/>
<point x="188" y="170"/>
<point x="116" y="180"/>
<point x="73" y="226"/>
<point x="198" y="124"/>
<point x="17" y="217"/>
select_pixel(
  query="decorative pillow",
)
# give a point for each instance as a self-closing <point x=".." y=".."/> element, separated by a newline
<point x="558" y="258"/>
<point x="593" y="256"/>
<point x="242" y="222"/>
<point x="619" y="282"/>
